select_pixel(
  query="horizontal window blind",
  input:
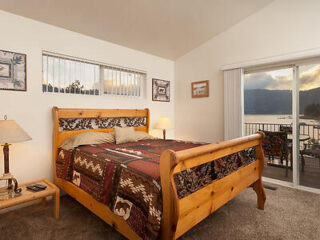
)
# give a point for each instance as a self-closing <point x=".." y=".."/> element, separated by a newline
<point x="122" y="82"/>
<point x="69" y="75"/>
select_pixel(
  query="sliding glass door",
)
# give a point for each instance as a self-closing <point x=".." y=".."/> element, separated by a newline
<point x="309" y="127"/>
<point x="268" y="108"/>
<point x="285" y="104"/>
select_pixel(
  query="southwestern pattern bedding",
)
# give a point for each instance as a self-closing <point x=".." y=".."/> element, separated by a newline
<point x="126" y="177"/>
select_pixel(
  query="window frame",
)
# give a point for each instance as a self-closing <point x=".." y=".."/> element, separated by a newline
<point x="122" y="90"/>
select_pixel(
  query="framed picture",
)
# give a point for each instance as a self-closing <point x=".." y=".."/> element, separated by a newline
<point x="160" y="90"/>
<point x="200" y="89"/>
<point x="13" y="74"/>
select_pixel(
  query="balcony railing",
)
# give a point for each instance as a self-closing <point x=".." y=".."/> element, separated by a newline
<point x="312" y="130"/>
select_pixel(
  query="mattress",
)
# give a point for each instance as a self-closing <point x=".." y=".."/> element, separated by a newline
<point x="126" y="177"/>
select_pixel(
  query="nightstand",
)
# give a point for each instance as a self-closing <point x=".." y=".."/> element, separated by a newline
<point x="27" y="196"/>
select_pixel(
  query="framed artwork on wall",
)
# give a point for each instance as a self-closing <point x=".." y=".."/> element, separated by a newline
<point x="160" y="90"/>
<point x="13" y="69"/>
<point x="200" y="89"/>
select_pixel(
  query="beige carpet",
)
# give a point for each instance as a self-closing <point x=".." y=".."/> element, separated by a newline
<point x="289" y="214"/>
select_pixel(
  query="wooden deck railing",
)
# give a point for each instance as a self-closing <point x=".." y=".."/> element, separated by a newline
<point x="312" y="130"/>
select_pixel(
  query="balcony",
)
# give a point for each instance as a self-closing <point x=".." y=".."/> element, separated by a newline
<point x="309" y="154"/>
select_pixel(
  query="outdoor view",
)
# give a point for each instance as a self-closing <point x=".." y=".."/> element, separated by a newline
<point x="268" y="107"/>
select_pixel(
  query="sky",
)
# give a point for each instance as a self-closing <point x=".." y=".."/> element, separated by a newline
<point x="282" y="79"/>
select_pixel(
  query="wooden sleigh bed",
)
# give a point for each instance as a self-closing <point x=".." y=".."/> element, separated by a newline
<point x="179" y="214"/>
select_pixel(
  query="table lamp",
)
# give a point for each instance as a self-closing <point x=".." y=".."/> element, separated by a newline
<point x="164" y="123"/>
<point x="10" y="132"/>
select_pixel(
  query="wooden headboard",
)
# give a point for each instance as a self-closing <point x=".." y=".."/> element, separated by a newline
<point x="72" y="121"/>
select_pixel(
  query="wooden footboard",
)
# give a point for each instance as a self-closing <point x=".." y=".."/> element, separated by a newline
<point x="180" y="215"/>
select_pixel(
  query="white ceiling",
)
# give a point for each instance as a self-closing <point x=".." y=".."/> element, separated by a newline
<point x="166" y="28"/>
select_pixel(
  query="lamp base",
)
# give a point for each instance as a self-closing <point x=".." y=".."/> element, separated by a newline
<point x="6" y="193"/>
<point x="164" y="134"/>
<point x="9" y="178"/>
<point x="6" y="161"/>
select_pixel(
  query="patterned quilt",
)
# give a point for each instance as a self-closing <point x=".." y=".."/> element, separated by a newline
<point x="126" y="177"/>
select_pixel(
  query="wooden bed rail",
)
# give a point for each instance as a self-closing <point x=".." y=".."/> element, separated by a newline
<point x="179" y="215"/>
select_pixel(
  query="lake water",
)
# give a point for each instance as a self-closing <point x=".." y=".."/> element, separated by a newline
<point x="278" y="119"/>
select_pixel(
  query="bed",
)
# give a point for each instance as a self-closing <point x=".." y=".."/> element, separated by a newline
<point x="151" y="189"/>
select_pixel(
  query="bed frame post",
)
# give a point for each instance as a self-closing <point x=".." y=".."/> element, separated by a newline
<point x="148" y="119"/>
<point x="258" y="186"/>
<point x="55" y="140"/>
<point x="169" y="214"/>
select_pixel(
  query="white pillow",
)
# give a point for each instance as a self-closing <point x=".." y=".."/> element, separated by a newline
<point x="124" y="134"/>
<point x="87" y="138"/>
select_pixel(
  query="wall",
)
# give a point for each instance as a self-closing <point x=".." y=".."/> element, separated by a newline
<point x="283" y="27"/>
<point x="32" y="109"/>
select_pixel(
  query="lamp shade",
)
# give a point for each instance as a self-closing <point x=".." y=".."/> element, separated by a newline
<point x="164" y="123"/>
<point x="11" y="132"/>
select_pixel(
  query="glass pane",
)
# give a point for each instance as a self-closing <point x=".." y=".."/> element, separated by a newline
<point x="122" y="77"/>
<point x="61" y="75"/>
<point x="121" y="82"/>
<point x="50" y="74"/>
<point x="56" y="75"/>
<point x="72" y="76"/>
<point x="107" y="81"/>
<point x="114" y="81"/>
<point x="309" y="118"/>
<point x="44" y="73"/>
<point x="138" y="84"/>
<point x="68" y="76"/>
<point x="126" y="83"/>
<point x="118" y="77"/>
<point x="88" y="78"/>
<point x="129" y="84"/>
<point x="97" y="79"/>
<point x="268" y="108"/>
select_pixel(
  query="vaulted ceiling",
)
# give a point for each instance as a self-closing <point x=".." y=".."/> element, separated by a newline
<point x="166" y="28"/>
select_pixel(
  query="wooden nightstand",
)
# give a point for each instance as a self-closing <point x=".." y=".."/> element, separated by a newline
<point x="27" y="196"/>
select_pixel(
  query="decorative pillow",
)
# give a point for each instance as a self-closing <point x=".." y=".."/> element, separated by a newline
<point x="88" y="138"/>
<point x="143" y="136"/>
<point x="124" y="134"/>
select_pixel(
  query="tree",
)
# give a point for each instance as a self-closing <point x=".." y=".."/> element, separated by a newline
<point x="75" y="87"/>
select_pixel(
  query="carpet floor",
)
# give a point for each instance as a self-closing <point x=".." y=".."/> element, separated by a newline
<point x="289" y="214"/>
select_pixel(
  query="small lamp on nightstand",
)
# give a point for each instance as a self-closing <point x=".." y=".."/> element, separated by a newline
<point x="164" y="123"/>
<point x="10" y="132"/>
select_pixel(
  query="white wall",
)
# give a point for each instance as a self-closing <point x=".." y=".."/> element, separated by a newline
<point x="283" y="27"/>
<point x="32" y="109"/>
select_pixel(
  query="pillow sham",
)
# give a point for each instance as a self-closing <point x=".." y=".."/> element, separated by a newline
<point x="124" y="134"/>
<point x="128" y="134"/>
<point x="88" y="138"/>
<point x="139" y="135"/>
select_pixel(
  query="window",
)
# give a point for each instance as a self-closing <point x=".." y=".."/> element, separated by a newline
<point x="69" y="75"/>
<point x="122" y="82"/>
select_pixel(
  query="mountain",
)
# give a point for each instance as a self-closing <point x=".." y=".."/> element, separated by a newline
<point x="263" y="101"/>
